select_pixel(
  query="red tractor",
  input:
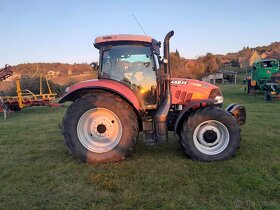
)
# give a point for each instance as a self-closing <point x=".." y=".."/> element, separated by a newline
<point x="133" y="94"/>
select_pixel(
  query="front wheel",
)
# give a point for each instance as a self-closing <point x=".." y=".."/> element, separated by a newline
<point x="100" y="127"/>
<point x="210" y="134"/>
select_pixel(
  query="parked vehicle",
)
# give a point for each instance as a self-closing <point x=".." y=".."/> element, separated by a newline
<point x="265" y="76"/>
<point x="134" y="94"/>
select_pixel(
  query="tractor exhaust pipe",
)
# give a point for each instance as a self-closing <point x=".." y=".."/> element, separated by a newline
<point x="160" y="119"/>
<point x="166" y="52"/>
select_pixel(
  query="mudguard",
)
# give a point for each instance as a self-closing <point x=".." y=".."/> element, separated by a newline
<point x="238" y="111"/>
<point x="193" y="105"/>
<point x="77" y="90"/>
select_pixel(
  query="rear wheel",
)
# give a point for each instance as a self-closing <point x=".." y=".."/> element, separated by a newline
<point x="210" y="134"/>
<point x="100" y="127"/>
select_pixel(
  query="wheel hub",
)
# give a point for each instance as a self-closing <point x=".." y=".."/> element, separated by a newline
<point x="211" y="137"/>
<point x="99" y="130"/>
<point x="102" y="127"/>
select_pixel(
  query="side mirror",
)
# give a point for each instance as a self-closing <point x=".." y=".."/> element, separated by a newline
<point x="94" y="65"/>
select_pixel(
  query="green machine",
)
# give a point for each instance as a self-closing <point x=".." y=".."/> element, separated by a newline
<point x="265" y="76"/>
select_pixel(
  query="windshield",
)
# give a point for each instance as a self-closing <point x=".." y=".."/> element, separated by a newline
<point x="132" y="65"/>
<point x="269" y="64"/>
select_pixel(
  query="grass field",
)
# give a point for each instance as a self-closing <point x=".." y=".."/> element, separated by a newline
<point x="37" y="172"/>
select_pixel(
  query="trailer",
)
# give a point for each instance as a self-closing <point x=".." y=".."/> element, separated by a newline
<point x="26" y="98"/>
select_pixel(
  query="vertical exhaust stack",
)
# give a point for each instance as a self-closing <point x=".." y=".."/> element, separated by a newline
<point x="161" y="115"/>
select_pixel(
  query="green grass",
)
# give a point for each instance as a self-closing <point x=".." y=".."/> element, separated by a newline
<point x="37" y="172"/>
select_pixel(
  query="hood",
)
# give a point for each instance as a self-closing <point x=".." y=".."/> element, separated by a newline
<point x="186" y="90"/>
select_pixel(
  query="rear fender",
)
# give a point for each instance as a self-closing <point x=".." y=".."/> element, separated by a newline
<point x="78" y="90"/>
<point x="192" y="106"/>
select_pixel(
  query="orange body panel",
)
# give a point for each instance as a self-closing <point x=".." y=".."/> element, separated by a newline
<point x="186" y="90"/>
<point x="183" y="90"/>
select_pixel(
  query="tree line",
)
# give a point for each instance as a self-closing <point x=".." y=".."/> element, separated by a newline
<point x="180" y="66"/>
<point x="210" y="63"/>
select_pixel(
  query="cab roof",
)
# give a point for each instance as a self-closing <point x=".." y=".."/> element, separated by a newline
<point x="121" y="38"/>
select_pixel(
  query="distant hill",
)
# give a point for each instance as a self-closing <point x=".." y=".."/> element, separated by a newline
<point x="270" y="51"/>
<point x="60" y="69"/>
<point x="181" y="67"/>
<point x="61" y="75"/>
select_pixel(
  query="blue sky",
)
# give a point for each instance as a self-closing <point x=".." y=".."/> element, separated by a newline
<point x="63" y="31"/>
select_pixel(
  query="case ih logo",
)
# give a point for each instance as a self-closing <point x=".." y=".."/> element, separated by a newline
<point x="178" y="82"/>
<point x="107" y="37"/>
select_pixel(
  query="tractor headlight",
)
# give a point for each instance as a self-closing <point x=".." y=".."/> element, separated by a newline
<point x="220" y="99"/>
<point x="217" y="95"/>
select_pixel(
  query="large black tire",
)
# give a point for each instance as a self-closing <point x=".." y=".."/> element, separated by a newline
<point x="210" y="134"/>
<point x="100" y="127"/>
<point x="267" y="96"/>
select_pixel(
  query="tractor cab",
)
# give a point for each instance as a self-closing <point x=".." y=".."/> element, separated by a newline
<point x="133" y="61"/>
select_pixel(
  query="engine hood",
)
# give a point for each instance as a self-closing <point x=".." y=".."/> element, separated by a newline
<point x="187" y="90"/>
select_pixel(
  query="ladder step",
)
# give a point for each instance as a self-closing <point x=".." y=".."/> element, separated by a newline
<point x="149" y="138"/>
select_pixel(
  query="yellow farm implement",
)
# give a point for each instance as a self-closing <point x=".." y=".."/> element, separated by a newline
<point x="26" y="98"/>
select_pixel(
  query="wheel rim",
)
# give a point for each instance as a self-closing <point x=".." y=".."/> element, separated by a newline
<point x="211" y="137"/>
<point x="99" y="130"/>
